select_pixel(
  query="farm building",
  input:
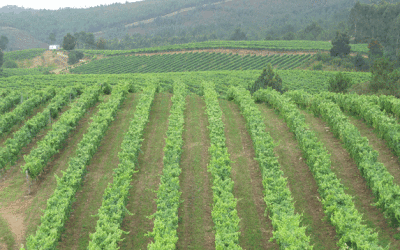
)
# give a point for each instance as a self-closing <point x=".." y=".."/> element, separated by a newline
<point x="54" y="47"/>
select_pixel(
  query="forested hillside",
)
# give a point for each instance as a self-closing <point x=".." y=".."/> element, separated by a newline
<point x="155" y="22"/>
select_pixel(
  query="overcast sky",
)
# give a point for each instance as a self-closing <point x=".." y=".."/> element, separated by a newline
<point x="55" y="5"/>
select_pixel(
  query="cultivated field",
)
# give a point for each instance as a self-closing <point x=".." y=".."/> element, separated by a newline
<point x="190" y="160"/>
<point x="211" y="173"/>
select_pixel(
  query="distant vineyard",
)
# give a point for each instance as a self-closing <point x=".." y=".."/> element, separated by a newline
<point x="23" y="71"/>
<point x="280" y="45"/>
<point x="311" y="81"/>
<point x="23" y="54"/>
<point x="187" y="62"/>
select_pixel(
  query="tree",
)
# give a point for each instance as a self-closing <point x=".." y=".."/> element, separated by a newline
<point x="385" y="79"/>
<point x="289" y="36"/>
<point x="84" y="40"/>
<point x="101" y="43"/>
<point x="268" y="78"/>
<point x="360" y="63"/>
<point x="74" y="57"/>
<point x="314" y="29"/>
<point x="3" y="42"/>
<point x="90" y="40"/>
<point x="340" y="45"/>
<point x="1" y="57"/>
<point x="52" y="37"/>
<point x="375" y="48"/>
<point x="238" y="35"/>
<point x="69" y="42"/>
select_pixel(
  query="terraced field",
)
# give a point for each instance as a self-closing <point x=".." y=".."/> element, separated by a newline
<point x="179" y="169"/>
<point x="188" y="62"/>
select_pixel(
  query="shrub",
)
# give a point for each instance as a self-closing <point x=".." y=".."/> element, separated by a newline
<point x="337" y="61"/>
<point x="268" y="78"/>
<point x="318" y="66"/>
<point x="324" y="57"/>
<point x="106" y="88"/>
<point x="10" y="64"/>
<point x="340" y="83"/>
<point x="74" y="57"/>
<point x="375" y="48"/>
<point x="360" y="63"/>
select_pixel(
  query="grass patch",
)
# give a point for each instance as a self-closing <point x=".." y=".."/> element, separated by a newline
<point x="6" y="236"/>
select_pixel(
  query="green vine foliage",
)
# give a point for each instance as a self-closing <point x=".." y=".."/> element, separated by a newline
<point x="277" y="194"/>
<point x="168" y="195"/>
<point x="115" y="197"/>
<point x="21" y="138"/>
<point x="224" y="213"/>
<point x="9" y="101"/>
<point x="37" y="159"/>
<point x="59" y="204"/>
<point x="8" y="120"/>
<point x="374" y="172"/>
<point x="338" y="206"/>
<point x="388" y="128"/>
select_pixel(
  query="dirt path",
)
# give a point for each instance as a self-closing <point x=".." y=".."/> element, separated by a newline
<point x="256" y="229"/>
<point x="386" y="156"/>
<point x="300" y="180"/>
<point x="89" y="197"/>
<point x="346" y="170"/>
<point x="13" y="188"/>
<point x="15" y="220"/>
<point x="195" y="229"/>
<point x="142" y="194"/>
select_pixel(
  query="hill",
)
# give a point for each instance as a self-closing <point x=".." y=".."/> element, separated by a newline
<point x="20" y="39"/>
<point x="154" y="22"/>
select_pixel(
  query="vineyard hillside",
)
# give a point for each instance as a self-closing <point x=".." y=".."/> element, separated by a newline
<point x="120" y="148"/>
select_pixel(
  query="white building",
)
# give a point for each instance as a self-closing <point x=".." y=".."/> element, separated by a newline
<point x="57" y="47"/>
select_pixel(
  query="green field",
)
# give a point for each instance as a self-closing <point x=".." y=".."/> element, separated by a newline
<point x="23" y="54"/>
<point x="312" y="81"/>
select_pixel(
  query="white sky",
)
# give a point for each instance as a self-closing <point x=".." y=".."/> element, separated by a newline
<point x="55" y="5"/>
